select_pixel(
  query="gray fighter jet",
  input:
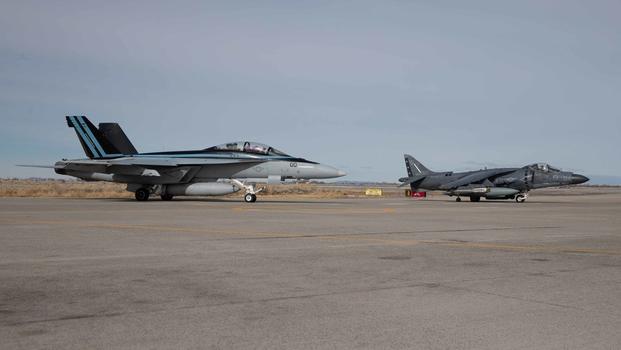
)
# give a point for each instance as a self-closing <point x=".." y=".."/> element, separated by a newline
<point x="213" y="171"/>
<point x="499" y="183"/>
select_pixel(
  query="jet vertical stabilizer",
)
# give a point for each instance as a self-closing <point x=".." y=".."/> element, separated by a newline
<point x="114" y="133"/>
<point x="415" y="167"/>
<point x="93" y="141"/>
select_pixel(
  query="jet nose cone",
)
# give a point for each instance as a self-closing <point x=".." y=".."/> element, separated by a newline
<point x="318" y="171"/>
<point x="328" y="172"/>
<point x="578" y="179"/>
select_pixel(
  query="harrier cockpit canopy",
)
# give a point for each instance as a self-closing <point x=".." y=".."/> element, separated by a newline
<point x="247" y="147"/>
<point x="544" y="167"/>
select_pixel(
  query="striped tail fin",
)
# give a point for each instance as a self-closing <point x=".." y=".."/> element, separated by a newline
<point x="95" y="144"/>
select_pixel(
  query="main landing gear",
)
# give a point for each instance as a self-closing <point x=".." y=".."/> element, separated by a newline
<point x="142" y="194"/>
<point x="472" y="199"/>
<point x="521" y="198"/>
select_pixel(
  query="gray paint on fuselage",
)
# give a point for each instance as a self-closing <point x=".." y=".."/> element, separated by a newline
<point x="521" y="179"/>
<point x="236" y="161"/>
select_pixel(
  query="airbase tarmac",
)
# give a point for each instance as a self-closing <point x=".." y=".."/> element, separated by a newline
<point x="311" y="273"/>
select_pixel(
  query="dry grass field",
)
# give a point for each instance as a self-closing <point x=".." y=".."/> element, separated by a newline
<point x="81" y="189"/>
<point x="61" y="188"/>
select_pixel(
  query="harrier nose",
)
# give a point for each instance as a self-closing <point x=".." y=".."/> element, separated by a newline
<point x="578" y="179"/>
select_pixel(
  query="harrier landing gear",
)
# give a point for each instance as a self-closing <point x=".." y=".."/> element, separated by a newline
<point x="166" y="197"/>
<point x="458" y="199"/>
<point x="521" y="198"/>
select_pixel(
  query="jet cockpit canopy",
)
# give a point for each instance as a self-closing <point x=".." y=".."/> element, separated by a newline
<point x="247" y="147"/>
<point x="544" y="167"/>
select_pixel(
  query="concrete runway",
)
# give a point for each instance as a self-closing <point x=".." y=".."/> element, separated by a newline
<point x="361" y="273"/>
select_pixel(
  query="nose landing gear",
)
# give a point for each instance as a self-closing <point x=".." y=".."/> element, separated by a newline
<point x="250" y="198"/>
<point x="251" y="193"/>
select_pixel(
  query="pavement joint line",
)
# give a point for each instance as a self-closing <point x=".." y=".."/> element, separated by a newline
<point x="373" y="243"/>
<point x="276" y="234"/>
<point x="322" y="211"/>
<point x="359" y="236"/>
<point x="527" y="248"/>
<point x="291" y="297"/>
<point x="107" y="257"/>
<point x="514" y="298"/>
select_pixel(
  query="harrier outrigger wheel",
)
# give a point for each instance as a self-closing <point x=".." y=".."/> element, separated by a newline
<point x="520" y="198"/>
<point x="142" y="194"/>
<point x="458" y="199"/>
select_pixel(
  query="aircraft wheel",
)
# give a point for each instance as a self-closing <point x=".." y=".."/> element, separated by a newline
<point x="167" y="197"/>
<point x="250" y="198"/>
<point x="457" y="199"/>
<point x="142" y="194"/>
<point x="520" y="198"/>
<point x="475" y="198"/>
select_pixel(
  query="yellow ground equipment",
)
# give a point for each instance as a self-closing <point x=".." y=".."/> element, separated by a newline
<point x="373" y="192"/>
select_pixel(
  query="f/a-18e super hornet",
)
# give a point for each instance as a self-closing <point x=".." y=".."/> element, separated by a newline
<point x="213" y="171"/>
<point x="498" y="183"/>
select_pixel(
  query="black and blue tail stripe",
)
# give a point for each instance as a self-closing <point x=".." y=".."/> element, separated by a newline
<point x="89" y="133"/>
<point x="87" y="143"/>
<point x="93" y="141"/>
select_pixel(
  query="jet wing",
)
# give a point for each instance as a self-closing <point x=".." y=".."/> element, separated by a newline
<point x="169" y="168"/>
<point x="160" y="161"/>
<point x="476" y="177"/>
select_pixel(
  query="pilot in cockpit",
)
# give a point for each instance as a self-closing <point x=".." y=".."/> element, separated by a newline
<point x="545" y="167"/>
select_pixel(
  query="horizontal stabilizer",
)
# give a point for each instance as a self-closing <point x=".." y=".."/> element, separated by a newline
<point x="412" y="181"/>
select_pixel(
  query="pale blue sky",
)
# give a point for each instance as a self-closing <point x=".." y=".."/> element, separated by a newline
<point x="354" y="84"/>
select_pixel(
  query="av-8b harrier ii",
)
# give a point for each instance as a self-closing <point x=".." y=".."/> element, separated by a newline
<point x="499" y="183"/>
<point x="213" y="171"/>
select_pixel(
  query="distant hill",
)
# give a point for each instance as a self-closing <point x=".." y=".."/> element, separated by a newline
<point x="604" y="180"/>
